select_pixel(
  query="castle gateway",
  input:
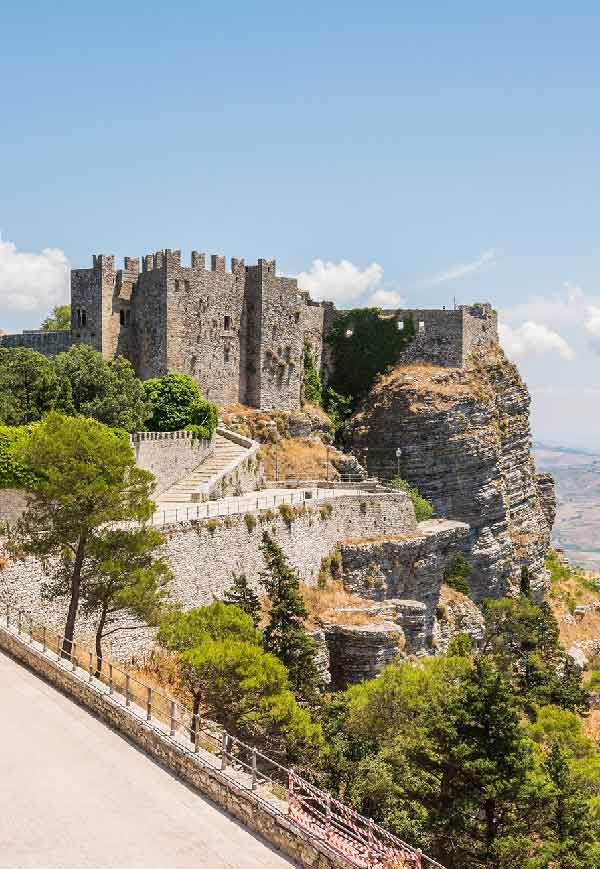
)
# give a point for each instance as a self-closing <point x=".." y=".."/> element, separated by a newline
<point x="240" y="333"/>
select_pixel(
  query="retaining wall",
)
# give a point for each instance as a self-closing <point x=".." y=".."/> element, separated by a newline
<point x="169" y="455"/>
<point x="204" y="554"/>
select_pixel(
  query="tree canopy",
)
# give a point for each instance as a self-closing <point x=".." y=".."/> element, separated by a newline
<point x="177" y="404"/>
<point x="106" y="390"/>
<point x="60" y="318"/>
<point x="85" y="478"/>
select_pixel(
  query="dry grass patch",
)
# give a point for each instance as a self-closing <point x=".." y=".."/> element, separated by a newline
<point x="322" y="604"/>
<point x="299" y="459"/>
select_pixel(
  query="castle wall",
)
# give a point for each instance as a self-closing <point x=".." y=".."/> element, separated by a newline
<point x="480" y="328"/>
<point x="169" y="455"/>
<point x="438" y="337"/>
<point x="86" y="305"/>
<point x="206" y="325"/>
<point x="48" y="343"/>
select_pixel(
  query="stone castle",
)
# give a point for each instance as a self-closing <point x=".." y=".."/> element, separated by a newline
<point x="240" y="333"/>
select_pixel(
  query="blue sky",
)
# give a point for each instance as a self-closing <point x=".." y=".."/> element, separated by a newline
<point x="441" y="149"/>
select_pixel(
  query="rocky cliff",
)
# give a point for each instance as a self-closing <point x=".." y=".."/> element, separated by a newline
<point x="466" y="445"/>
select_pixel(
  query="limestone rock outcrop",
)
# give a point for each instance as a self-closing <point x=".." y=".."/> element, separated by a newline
<point x="465" y="444"/>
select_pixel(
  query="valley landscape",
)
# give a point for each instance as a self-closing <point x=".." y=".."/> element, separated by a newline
<point x="577" y="477"/>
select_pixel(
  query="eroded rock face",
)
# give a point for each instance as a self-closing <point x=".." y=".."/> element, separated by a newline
<point x="410" y="567"/>
<point x="457" y="614"/>
<point x="359" y="652"/>
<point x="466" y="445"/>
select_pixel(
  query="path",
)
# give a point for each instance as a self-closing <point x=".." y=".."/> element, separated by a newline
<point x="74" y="793"/>
<point x="264" y="499"/>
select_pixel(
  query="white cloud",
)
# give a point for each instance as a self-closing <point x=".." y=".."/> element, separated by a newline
<point x="339" y="282"/>
<point x="461" y="270"/>
<point x="533" y="339"/>
<point x="592" y="327"/>
<point x="32" y="281"/>
<point x="558" y="310"/>
<point x="386" y="299"/>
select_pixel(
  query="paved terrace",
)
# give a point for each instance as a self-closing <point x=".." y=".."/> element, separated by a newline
<point x="265" y="499"/>
<point x="75" y="794"/>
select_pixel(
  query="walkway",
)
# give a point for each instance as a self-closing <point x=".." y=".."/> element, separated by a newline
<point x="75" y="794"/>
<point x="265" y="499"/>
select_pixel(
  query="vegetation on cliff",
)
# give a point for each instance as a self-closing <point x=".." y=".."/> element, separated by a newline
<point x="364" y="343"/>
<point x="476" y="759"/>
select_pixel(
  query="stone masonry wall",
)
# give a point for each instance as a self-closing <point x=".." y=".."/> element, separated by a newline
<point x="48" y="343"/>
<point x="204" y="558"/>
<point x="203" y="555"/>
<point x="169" y="455"/>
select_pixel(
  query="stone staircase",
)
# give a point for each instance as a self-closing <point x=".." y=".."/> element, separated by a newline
<point x="197" y="486"/>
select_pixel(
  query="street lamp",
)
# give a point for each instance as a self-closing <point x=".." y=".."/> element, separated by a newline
<point x="398" y="457"/>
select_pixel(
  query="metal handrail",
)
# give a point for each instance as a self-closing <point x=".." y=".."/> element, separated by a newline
<point x="244" y="504"/>
<point x="338" y="826"/>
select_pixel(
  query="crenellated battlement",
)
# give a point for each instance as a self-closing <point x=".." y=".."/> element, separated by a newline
<point x="239" y="330"/>
<point x="160" y="259"/>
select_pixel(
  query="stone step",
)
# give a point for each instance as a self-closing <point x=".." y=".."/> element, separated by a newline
<point x="225" y="453"/>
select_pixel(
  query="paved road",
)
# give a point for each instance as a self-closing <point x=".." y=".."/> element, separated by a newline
<point x="75" y="795"/>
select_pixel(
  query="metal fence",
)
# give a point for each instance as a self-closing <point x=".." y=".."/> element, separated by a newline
<point x="246" y="504"/>
<point x="317" y="814"/>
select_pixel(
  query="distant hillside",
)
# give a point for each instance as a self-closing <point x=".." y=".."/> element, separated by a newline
<point x="577" y="476"/>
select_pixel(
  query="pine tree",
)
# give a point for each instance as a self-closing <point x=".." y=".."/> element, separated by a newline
<point x="569" y="826"/>
<point x="480" y="755"/>
<point x="285" y="634"/>
<point x="241" y="595"/>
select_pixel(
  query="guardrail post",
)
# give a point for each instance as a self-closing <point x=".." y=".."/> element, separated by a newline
<point x="370" y="830"/>
<point x="196" y="726"/>
<point x="224" y="750"/>
<point x="91" y="667"/>
<point x="149" y="704"/>
<point x="127" y="680"/>
<point x="110" y="679"/>
<point x="8" y="615"/>
<point x="73" y="656"/>
<point x="19" y="622"/>
<point x="173" y="724"/>
<point x="253" y="769"/>
<point x="44" y="639"/>
<point x="30" y="629"/>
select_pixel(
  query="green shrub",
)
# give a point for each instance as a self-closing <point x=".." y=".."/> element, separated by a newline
<point x="287" y="513"/>
<point x="212" y="524"/>
<point x="326" y="510"/>
<point x="423" y="507"/>
<point x="456" y="574"/>
<point x="266" y="516"/>
<point x="177" y="404"/>
<point x="313" y="388"/>
<point x="14" y="475"/>
<point x="250" y="520"/>
<point x="460" y="646"/>
<point x="364" y="343"/>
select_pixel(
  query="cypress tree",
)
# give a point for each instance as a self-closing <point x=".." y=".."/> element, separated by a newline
<point x="285" y="634"/>
<point x="241" y="595"/>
